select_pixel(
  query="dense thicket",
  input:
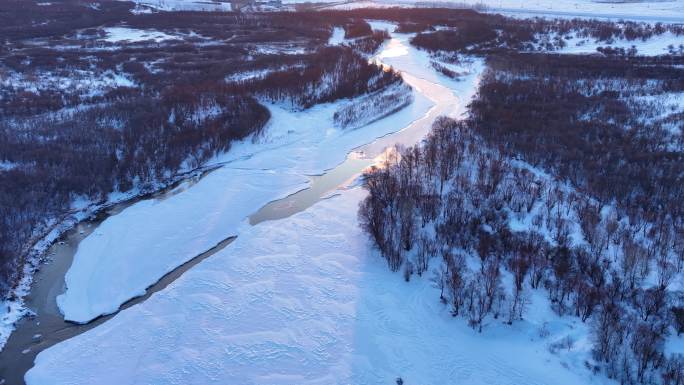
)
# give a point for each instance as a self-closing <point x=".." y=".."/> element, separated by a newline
<point x="115" y="146"/>
<point x="369" y="44"/>
<point x="357" y="28"/>
<point x="335" y="73"/>
<point x="590" y="121"/>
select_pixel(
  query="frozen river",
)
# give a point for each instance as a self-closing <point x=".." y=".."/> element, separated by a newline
<point x="435" y="96"/>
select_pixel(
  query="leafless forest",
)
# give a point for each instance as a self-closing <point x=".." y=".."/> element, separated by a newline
<point x="566" y="177"/>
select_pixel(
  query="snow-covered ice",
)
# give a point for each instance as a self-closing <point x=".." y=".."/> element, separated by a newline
<point x="303" y="300"/>
<point x="132" y="250"/>
<point x="337" y="36"/>
<point x="129" y="252"/>
<point x="119" y="34"/>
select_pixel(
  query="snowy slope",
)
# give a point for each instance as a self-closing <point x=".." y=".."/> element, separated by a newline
<point x="134" y="249"/>
<point x="303" y="300"/>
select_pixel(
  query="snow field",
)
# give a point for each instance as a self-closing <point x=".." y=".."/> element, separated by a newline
<point x="337" y="36"/>
<point x="134" y="249"/>
<point x="302" y="300"/>
<point x="128" y="253"/>
<point x="131" y="35"/>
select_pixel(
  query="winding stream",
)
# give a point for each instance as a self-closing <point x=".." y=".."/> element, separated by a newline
<point x="34" y="334"/>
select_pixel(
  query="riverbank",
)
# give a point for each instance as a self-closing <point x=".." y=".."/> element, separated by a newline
<point x="39" y="255"/>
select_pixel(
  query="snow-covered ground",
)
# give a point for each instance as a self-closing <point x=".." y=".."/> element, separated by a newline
<point x="337" y="36"/>
<point x="183" y="5"/>
<point x="303" y="300"/>
<point x="6" y="165"/>
<point x="11" y="312"/>
<point x="657" y="45"/>
<point x="119" y="34"/>
<point x="134" y="249"/>
<point x="85" y="83"/>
